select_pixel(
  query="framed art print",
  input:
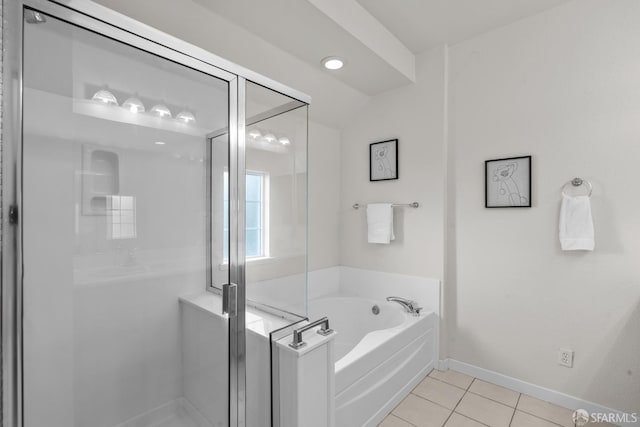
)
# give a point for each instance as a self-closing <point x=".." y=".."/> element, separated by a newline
<point x="508" y="183"/>
<point x="383" y="160"/>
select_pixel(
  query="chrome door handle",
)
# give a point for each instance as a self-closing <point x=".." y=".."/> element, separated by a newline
<point x="229" y="299"/>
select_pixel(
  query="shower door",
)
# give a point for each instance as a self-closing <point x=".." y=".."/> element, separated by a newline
<point x="120" y="208"/>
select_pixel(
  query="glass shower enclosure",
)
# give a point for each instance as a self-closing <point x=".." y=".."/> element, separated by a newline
<point x="154" y="225"/>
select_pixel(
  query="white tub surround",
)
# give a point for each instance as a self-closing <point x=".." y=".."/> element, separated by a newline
<point x="379" y="358"/>
<point x="306" y="381"/>
<point x="378" y="285"/>
<point x="357" y="282"/>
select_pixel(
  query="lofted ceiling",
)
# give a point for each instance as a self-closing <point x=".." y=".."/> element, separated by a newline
<point x="300" y="28"/>
<point x="378" y="38"/>
<point x="287" y="39"/>
<point x="423" y="24"/>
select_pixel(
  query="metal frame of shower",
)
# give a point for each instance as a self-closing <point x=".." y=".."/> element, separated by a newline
<point x="121" y="28"/>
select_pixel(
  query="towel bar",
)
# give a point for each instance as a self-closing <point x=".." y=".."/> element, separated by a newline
<point x="395" y="205"/>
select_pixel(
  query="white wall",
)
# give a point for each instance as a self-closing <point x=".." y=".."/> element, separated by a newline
<point x="564" y="87"/>
<point x="561" y="86"/>
<point x="414" y="115"/>
<point x="324" y="196"/>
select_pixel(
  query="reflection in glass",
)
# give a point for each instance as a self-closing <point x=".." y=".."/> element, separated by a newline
<point x="186" y="117"/>
<point x="161" y="110"/>
<point x="117" y="214"/>
<point x="105" y="97"/>
<point x="134" y="105"/>
<point x="277" y="226"/>
<point x="276" y="218"/>
<point x="255" y="213"/>
<point x="121" y="213"/>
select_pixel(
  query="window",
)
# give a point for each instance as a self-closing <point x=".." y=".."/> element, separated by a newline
<point x="121" y="222"/>
<point x="256" y="231"/>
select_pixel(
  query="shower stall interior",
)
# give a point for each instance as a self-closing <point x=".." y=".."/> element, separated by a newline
<point x="154" y="229"/>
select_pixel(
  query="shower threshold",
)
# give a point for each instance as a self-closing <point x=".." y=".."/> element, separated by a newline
<point x="177" y="413"/>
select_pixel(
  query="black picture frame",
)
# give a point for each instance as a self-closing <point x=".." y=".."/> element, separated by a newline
<point x="509" y="185"/>
<point x="383" y="160"/>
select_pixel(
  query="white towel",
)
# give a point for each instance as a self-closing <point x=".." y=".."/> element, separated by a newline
<point x="380" y="223"/>
<point x="576" y="224"/>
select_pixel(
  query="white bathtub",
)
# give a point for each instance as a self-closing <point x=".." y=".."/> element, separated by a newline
<point x="379" y="358"/>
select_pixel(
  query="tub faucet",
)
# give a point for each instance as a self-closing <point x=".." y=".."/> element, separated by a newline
<point x="409" y="306"/>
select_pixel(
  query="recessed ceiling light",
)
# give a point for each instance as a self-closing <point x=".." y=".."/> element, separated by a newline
<point x="333" y="63"/>
<point x="159" y="143"/>
<point x="270" y="137"/>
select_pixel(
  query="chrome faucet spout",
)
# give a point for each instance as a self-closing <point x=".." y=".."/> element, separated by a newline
<point x="410" y="306"/>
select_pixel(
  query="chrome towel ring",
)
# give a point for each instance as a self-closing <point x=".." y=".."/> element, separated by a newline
<point x="578" y="182"/>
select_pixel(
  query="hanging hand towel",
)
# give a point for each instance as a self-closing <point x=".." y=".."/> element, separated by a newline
<point x="576" y="224"/>
<point x="380" y="223"/>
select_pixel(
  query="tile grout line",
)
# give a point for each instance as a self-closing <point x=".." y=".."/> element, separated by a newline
<point x="436" y="403"/>
<point x="515" y="409"/>
<point x="494" y="400"/>
<point x="497" y="401"/>
<point x="467" y="390"/>
<point x="539" y="417"/>
<point x="444" y="382"/>
<point x="485" y="397"/>
<point x="453" y="385"/>
<point x="453" y="411"/>
<point x="471" y="419"/>
<point x="399" y="417"/>
<point x="431" y="401"/>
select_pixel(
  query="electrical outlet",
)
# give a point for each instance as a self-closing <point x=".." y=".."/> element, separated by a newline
<point x="565" y="357"/>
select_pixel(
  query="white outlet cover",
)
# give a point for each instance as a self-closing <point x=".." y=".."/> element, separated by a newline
<point x="565" y="357"/>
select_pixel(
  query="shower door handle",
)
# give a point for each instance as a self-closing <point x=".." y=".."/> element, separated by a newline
<point x="229" y="299"/>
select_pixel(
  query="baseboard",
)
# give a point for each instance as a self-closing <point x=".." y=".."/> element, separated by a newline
<point x="542" y="393"/>
<point x="442" y="365"/>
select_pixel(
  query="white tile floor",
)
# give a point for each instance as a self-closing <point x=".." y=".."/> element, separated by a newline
<point x="452" y="399"/>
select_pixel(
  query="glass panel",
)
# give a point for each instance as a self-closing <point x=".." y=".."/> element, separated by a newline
<point x="254" y="243"/>
<point x="118" y="176"/>
<point x="254" y="214"/>
<point x="276" y="150"/>
<point x="220" y="206"/>
<point x="254" y="187"/>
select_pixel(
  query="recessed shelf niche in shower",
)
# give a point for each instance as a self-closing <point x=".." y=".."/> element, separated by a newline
<point x="100" y="178"/>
